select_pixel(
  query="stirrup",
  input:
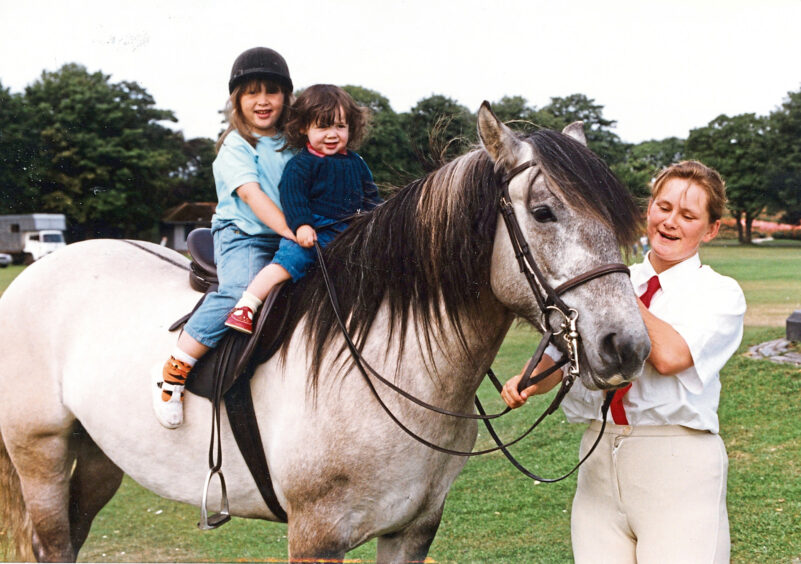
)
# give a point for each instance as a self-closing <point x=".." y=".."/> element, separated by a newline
<point x="218" y="519"/>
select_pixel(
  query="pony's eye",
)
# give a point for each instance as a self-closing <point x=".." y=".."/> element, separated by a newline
<point x="543" y="214"/>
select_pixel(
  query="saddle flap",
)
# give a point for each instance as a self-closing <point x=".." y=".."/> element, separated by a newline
<point x="238" y="354"/>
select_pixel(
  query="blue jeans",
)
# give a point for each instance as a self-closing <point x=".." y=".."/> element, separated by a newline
<point x="239" y="257"/>
<point x="296" y="259"/>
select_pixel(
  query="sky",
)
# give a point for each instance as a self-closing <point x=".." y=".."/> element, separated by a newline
<point x="659" y="68"/>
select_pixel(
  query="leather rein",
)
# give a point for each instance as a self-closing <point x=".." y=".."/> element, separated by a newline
<point x="549" y="302"/>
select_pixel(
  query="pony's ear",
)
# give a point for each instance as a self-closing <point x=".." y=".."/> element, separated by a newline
<point x="576" y="131"/>
<point x="499" y="141"/>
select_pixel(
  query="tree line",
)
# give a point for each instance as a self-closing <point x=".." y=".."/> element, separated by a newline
<point x="101" y="153"/>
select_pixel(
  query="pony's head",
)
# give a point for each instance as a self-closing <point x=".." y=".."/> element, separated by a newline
<point x="576" y="216"/>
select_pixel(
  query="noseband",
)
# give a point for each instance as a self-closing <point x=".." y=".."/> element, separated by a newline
<point x="548" y="300"/>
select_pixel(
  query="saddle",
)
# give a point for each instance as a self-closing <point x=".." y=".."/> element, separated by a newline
<point x="224" y="372"/>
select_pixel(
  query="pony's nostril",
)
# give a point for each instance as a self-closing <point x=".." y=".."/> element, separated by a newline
<point x="609" y="349"/>
<point x="620" y="353"/>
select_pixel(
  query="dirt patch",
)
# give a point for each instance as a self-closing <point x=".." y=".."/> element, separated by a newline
<point x="767" y="316"/>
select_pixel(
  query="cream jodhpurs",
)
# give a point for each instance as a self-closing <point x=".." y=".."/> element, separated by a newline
<point x="651" y="494"/>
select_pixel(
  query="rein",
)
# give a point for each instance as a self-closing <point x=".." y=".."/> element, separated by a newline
<point x="548" y="301"/>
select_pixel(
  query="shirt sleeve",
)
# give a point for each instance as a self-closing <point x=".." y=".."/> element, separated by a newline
<point x="238" y="164"/>
<point x="294" y="190"/>
<point x="713" y="334"/>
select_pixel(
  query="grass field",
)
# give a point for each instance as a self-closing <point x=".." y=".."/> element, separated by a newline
<point x="494" y="514"/>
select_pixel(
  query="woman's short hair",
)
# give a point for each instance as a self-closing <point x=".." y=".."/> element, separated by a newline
<point x="701" y="175"/>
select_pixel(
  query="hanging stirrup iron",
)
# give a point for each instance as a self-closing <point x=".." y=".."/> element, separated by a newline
<point x="215" y="457"/>
<point x="218" y="519"/>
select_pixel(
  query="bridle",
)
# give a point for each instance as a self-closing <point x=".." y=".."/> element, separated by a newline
<point x="548" y="298"/>
<point x="549" y="301"/>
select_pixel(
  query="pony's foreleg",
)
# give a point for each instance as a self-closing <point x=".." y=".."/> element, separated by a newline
<point x="314" y="540"/>
<point x="43" y="462"/>
<point x="410" y="544"/>
<point x="94" y="482"/>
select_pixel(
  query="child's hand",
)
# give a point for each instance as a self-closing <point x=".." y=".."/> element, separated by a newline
<point x="288" y="234"/>
<point x="306" y="236"/>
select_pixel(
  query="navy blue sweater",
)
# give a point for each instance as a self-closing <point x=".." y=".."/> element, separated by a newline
<point x="336" y="187"/>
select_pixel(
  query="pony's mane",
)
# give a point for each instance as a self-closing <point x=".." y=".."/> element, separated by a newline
<point x="425" y="252"/>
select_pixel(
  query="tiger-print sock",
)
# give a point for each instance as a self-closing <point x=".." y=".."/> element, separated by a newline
<point x="175" y="372"/>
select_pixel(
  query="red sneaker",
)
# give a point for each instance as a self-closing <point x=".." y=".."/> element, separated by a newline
<point x="241" y="319"/>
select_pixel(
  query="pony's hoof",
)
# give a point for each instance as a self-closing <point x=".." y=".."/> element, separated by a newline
<point x="169" y="413"/>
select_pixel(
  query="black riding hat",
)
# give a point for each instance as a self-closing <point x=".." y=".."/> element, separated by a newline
<point x="259" y="62"/>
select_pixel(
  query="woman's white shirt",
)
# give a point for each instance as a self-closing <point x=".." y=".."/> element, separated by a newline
<point x="707" y="310"/>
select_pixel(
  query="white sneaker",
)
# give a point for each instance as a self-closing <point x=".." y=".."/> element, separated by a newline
<point x="169" y="413"/>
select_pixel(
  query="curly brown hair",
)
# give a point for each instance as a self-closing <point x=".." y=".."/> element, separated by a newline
<point x="321" y="104"/>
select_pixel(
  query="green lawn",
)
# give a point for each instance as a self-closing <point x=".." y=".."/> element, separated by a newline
<point x="494" y="514"/>
<point x="769" y="275"/>
<point x="8" y="274"/>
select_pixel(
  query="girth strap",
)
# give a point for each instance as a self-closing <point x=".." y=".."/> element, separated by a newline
<point x="242" y="417"/>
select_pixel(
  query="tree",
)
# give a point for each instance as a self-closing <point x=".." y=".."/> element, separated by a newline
<point x="598" y="129"/>
<point x="643" y="160"/>
<point x="439" y="129"/>
<point x="656" y="155"/>
<point x="17" y="150"/>
<point x="737" y="147"/>
<point x="784" y="172"/>
<point x="194" y="177"/>
<point x="387" y="150"/>
<point x="104" y="158"/>
<point x="516" y="112"/>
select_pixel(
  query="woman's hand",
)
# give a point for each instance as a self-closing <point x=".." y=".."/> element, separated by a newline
<point x="511" y="396"/>
<point x="515" y="399"/>
<point x="306" y="236"/>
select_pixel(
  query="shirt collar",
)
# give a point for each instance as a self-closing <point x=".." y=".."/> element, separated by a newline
<point x="667" y="277"/>
<point x="313" y="151"/>
<point x="317" y="153"/>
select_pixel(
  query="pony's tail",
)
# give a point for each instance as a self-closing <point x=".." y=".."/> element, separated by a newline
<point x="15" y="523"/>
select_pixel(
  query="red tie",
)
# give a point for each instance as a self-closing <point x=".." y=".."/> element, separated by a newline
<point x="616" y="407"/>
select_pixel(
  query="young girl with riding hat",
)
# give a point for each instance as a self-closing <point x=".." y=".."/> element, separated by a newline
<point x="655" y="488"/>
<point x="248" y="222"/>
<point x="322" y="187"/>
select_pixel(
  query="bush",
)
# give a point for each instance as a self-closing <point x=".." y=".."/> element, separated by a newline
<point x="727" y="230"/>
<point x="792" y="234"/>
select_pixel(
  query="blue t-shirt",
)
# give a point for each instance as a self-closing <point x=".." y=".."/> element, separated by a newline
<point x="238" y="163"/>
